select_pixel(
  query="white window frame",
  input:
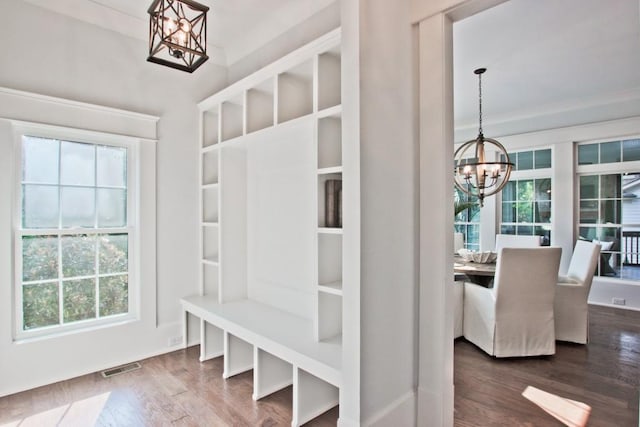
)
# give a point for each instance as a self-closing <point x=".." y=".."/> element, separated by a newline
<point x="132" y="145"/>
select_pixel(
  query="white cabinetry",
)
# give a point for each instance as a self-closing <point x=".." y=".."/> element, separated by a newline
<point x="271" y="282"/>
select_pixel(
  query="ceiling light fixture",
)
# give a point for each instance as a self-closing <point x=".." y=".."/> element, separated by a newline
<point x="473" y="173"/>
<point x="178" y="34"/>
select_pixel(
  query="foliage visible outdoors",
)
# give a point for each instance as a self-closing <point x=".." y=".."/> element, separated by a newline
<point x="79" y="259"/>
<point x="62" y="184"/>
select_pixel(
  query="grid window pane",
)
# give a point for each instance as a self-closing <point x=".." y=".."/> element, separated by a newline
<point x="588" y="154"/>
<point x="40" y="305"/>
<point x="509" y="212"/>
<point x="114" y="295"/>
<point x="78" y="207"/>
<point x="589" y="187"/>
<point x="112" y="167"/>
<point x="525" y="160"/>
<point x="509" y="192"/>
<point x="40" y="160"/>
<point x="524" y="230"/>
<point x="588" y="211"/>
<point x="77" y="164"/>
<point x="525" y="211"/>
<point x="631" y="150"/>
<point x="543" y="212"/>
<point x="112" y="208"/>
<point x="543" y="189"/>
<point x="610" y="212"/>
<point x="78" y="256"/>
<point x="39" y="258"/>
<point x="508" y="229"/>
<point x="610" y="186"/>
<point x="610" y="152"/>
<point x="543" y="159"/>
<point x="114" y="253"/>
<point x="39" y="206"/>
<point x="525" y="190"/>
<point x="79" y="300"/>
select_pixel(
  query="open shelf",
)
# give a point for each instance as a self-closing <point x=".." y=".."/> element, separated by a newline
<point x="260" y="109"/>
<point x="238" y="356"/>
<point x="210" y="204"/>
<point x="329" y="143"/>
<point x="295" y="92"/>
<point x="210" y="279"/>
<point x="334" y="288"/>
<point x="311" y="397"/>
<point x="210" y="168"/>
<point x="271" y="374"/>
<point x="232" y="118"/>
<point x="329" y="259"/>
<point x="329" y="66"/>
<point x="330" y="200"/>
<point x="211" y="341"/>
<point x="210" y="127"/>
<point x="329" y="316"/>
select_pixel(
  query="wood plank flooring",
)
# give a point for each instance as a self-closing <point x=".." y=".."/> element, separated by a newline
<point x="604" y="374"/>
<point x="176" y="390"/>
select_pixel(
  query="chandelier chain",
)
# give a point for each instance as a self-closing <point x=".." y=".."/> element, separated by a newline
<point x="480" y="103"/>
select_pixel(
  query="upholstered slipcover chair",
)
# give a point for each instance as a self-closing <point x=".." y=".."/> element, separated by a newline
<point x="572" y="291"/>
<point x="515" y="317"/>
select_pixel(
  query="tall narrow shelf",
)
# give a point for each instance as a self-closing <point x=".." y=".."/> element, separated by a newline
<point x="271" y="254"/>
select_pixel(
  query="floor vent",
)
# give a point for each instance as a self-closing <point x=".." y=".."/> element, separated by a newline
<point x="121" y="369"/>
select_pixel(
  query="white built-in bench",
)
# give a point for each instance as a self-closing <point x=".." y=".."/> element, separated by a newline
<point x="278" y="346"/>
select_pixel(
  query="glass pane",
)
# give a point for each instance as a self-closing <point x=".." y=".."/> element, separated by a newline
<point x="77" y="164"/>
<point x="545" y="234"/>
<point x="588" y="233"/>
<point x="631" y="187"/>
<point x="39" y="206"/>
<point x="525" y="190"/>
<point x="39" y="258"/>
<point x="40" y="306"/>
<point x="631" y="150"/>
<point x="508" y="229"/>
<point x="40" y="160"/>
<point x="525" y="230"/>
<point x="543" y="159"/>
<point x="509" y="212"/>
<point x="78" y="207"/>
<point x="78" y="256"/>
<point x="474" y="213"/>
<point x="114" y="295"/>
<point x="525" y="160"/>
<point x="610" y="152"/>
<point x="112" y="208"/>
<point x="588" y="211"/>
<point x="525" y="212"/>
<point x="610" y="212"/>
<point x="543" y="189"/>
<point x="509" y="192"/>
<point x="112" y="167"/>
<point x="588" y="154"/>
<point x="79" y="300"/>
<point x="473" y="234"/>
<point x="589" y="187"/>
<point x="610" y="186"/>
<point x="543" y="212"/>
<point x="114" y="253"/>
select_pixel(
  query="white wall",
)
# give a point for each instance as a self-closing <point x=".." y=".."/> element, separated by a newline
<point x="54" y="55"/>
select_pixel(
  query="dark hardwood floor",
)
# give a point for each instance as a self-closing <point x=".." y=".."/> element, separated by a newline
<point x="176" y="389"/>
<point x="604" y="374"/>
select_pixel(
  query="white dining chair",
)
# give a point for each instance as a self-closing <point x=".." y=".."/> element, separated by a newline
<point x="572" y="293"/>
<point x="515" y="317"/>
<point x="514" y="241"/>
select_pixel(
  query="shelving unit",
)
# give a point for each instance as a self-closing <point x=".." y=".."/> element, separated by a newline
<point x="271" y="282"/>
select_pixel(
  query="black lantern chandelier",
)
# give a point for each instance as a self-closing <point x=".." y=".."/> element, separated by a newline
<point x="474" y="173"/>
<point x="178" y="34"/>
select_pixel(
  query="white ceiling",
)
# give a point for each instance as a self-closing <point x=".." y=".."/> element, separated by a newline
<point x="549" y="63"/>
<point x="235" y="27"/>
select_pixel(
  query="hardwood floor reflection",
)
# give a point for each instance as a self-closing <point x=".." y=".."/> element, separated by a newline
<point x="604" y="374"/>
<point x="170" y="390"/>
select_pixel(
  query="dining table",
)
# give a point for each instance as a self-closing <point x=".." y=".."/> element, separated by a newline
<point x="475" y="272"/>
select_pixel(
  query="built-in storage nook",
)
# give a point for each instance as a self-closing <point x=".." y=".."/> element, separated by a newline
<point x="272" y="241"/>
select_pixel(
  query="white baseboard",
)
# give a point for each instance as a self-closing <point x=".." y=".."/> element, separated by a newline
<point x="400" y="412"/>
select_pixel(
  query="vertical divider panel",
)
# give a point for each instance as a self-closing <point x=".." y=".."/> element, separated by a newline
<point x="233" y="224"/>
<point x="311" y="397"/>
<point x="211" y="341"/>
<point x="270" y="374"/>
<point x="238" y="356"/>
